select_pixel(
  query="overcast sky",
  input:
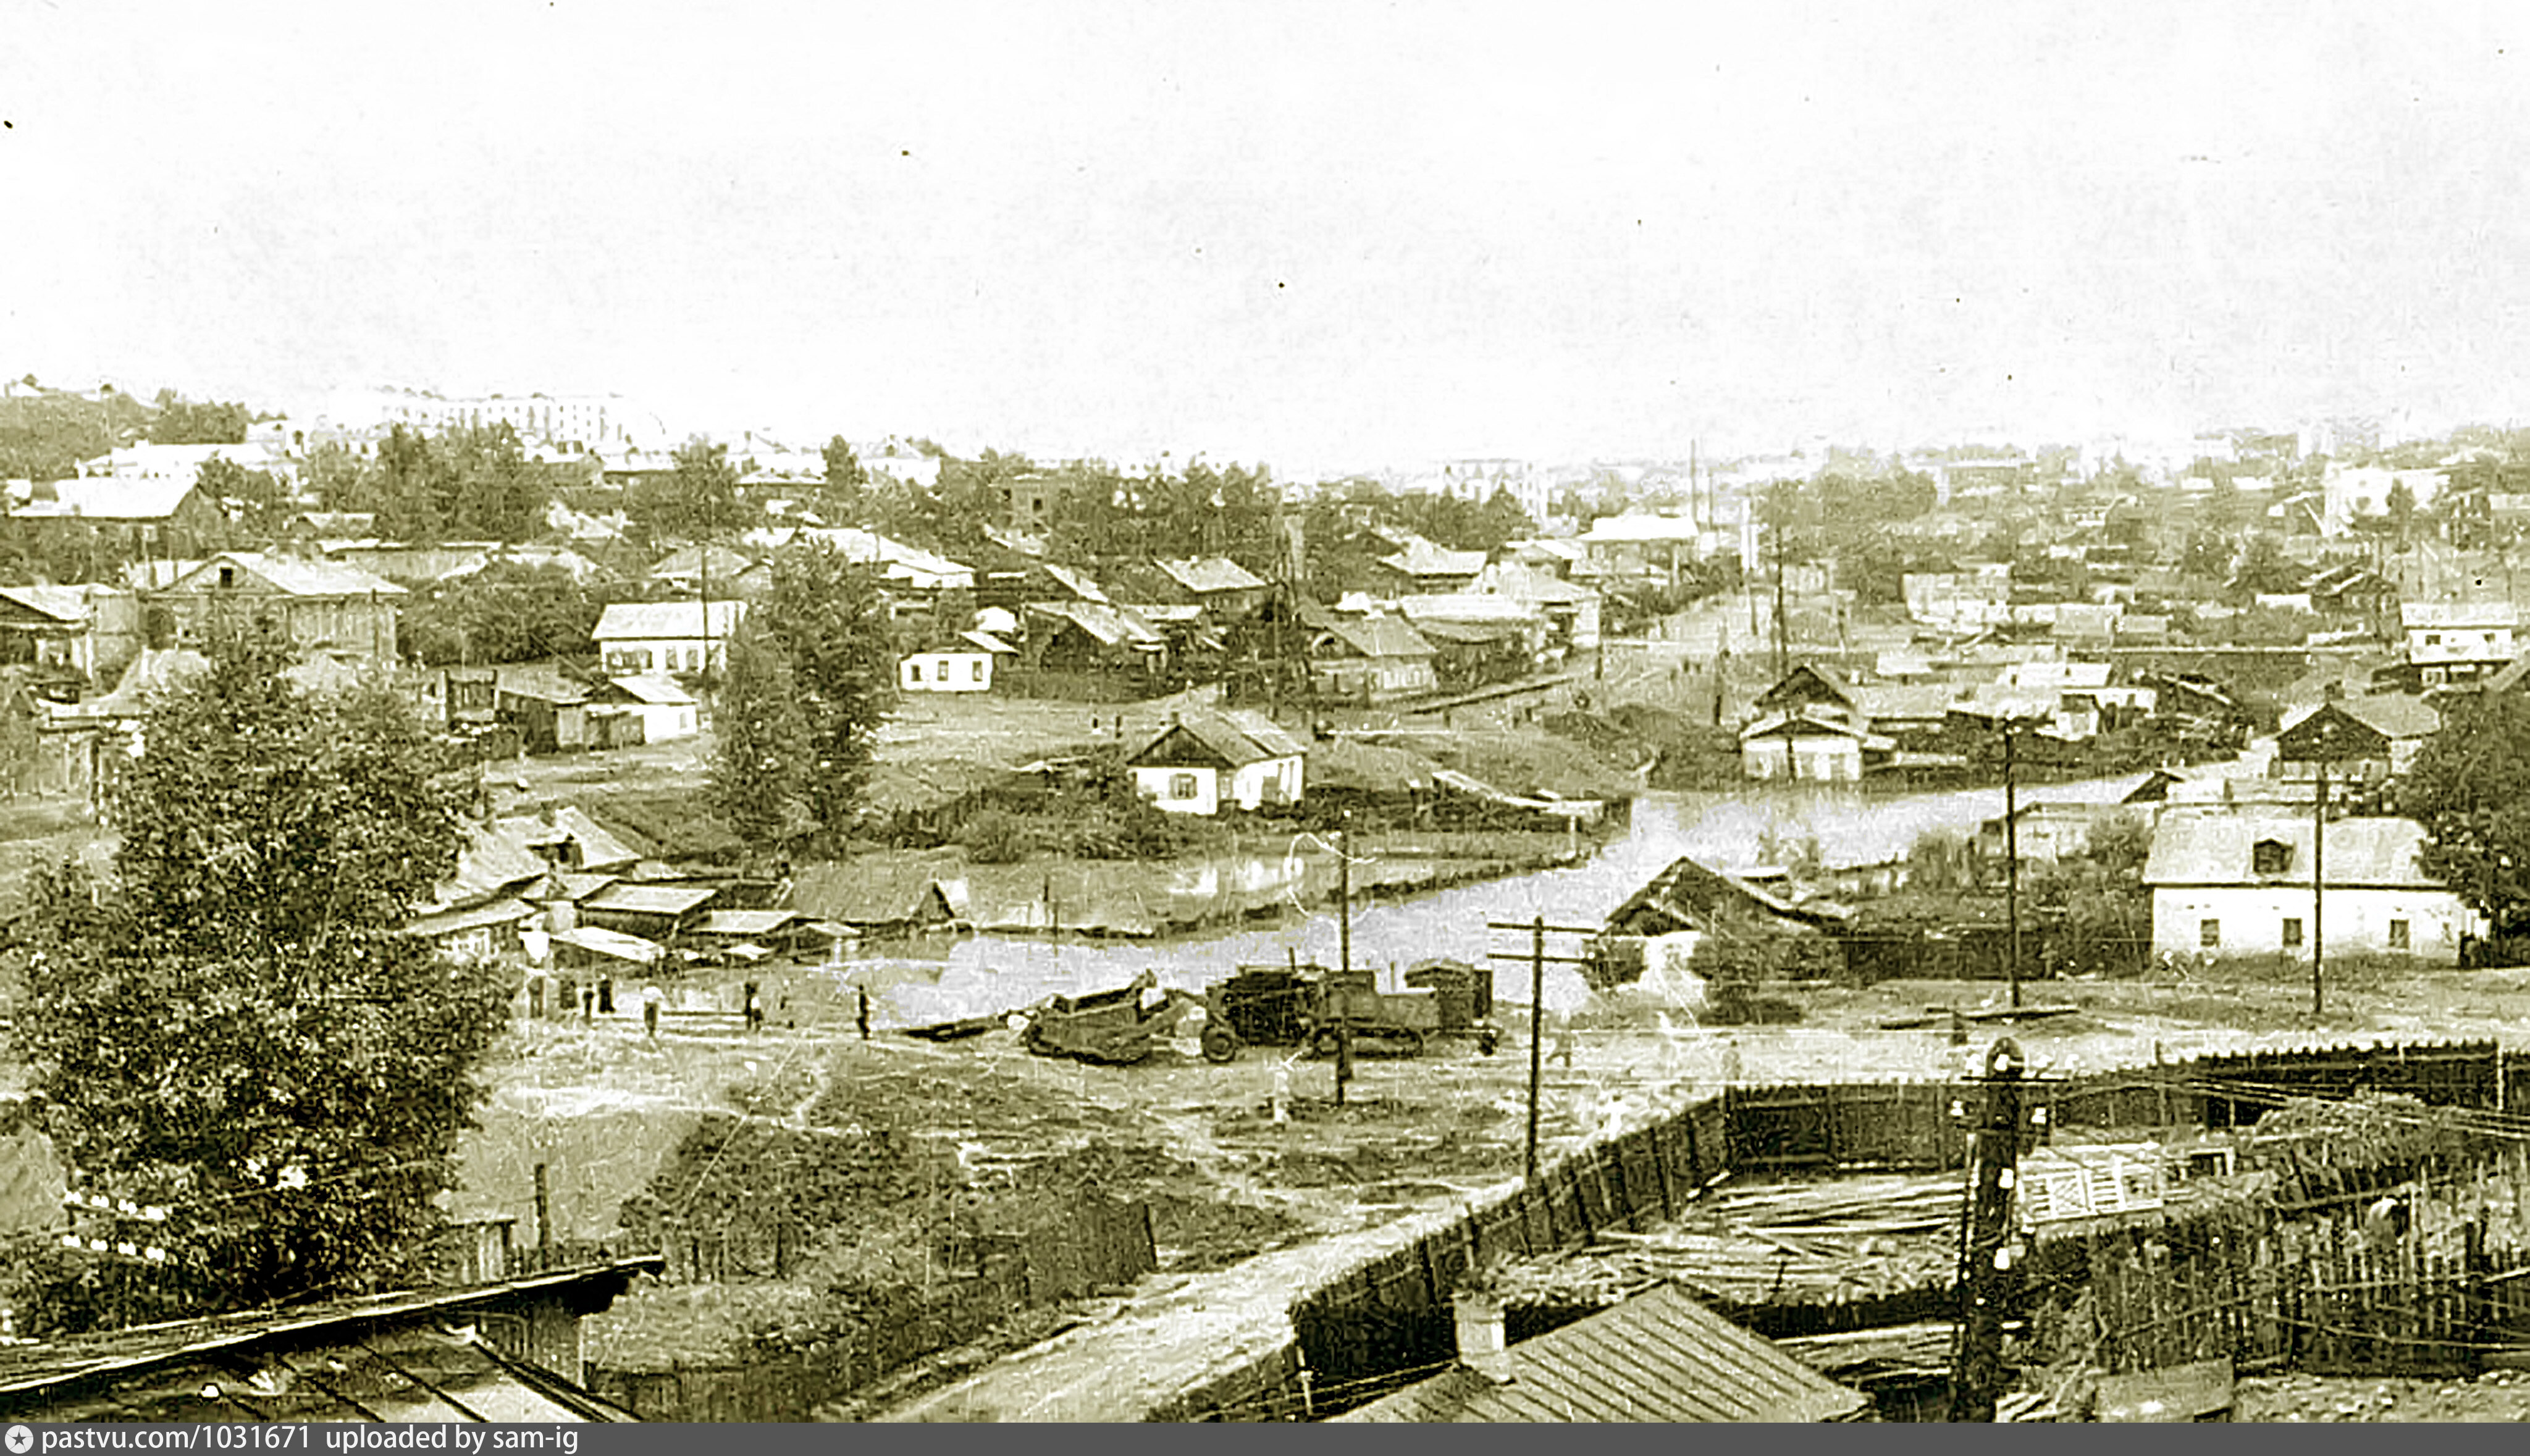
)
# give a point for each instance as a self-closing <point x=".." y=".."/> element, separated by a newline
<point x="1319" y="235"/>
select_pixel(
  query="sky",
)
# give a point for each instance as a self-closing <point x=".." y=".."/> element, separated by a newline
<point x="1317" y="235"/>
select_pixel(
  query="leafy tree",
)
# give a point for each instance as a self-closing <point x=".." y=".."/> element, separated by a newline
<point x="233" y="1026"/>
<point x="698" y="500"/>
<point x="761" y="758"/>
<point x="262" y="495"/>
<point x="846" y="479"/>
<point x="509" y="611"/>
<point x="2401" y="507"/>
<point x="2470" y="788"/>
<point x="827" y="619"/>
<point x="210" y="423"/>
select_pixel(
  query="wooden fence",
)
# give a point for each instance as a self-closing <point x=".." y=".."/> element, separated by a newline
<point x="1068" y="1249"/>
<point x="1388" y="1322"/>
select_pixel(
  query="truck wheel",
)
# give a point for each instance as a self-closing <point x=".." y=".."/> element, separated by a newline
<point x="1488" y="1043"/>
<point x="1220" y="1045"/>
<point x="1324" y="1044"/>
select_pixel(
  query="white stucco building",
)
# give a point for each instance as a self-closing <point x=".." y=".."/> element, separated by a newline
<point x="2231" y="885"/>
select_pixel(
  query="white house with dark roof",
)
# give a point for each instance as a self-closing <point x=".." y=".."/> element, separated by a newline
<point x="2226" y="884"/>
<point x="635" y="639"/>
<point x="1204" y="762"/>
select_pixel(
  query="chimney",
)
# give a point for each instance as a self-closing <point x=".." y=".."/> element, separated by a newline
<point x="1482" y="1347"/>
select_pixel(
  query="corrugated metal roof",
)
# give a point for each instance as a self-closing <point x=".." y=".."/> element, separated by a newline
<point x="1658" y="1357"/>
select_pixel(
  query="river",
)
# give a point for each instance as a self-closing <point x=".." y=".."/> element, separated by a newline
<point x="977" y="973"/>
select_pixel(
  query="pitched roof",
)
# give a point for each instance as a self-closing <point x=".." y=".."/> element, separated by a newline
<point x="1211" y="574"/>
<point x="724" y="564"/>
<point x="2420" y="615"/>
<point x="1886" y="700"/>
<point x="638" y="621"/>
<point x="63" y="603"/>
<point x="652" y="690"/>
<point x="1380" y="636"/>
<point x="542" y="681"/>
<point x="1658" y="1357"/>
<point x="612" y="943"/>
<point x="1526" y="584"/>
<point x="1238" y="736"/>
<point x="1421" y="558"/>
<point x="298" y="576"/>
<point x="2216" y="849"/>
<point x="438" y="923"/>
<point x="626" y="898"/>
<point x="745" y="922"/>
<point x="112" y="497"/>
<point x="157" y="1372"/>
<point x="2390" y="715"/>
<point x="1113" y="626"/>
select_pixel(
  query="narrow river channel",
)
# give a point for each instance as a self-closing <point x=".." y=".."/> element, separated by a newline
<point x="973" y="975"/>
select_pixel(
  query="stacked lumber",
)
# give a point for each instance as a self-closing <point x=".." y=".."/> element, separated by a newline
<point x="1797" y="1243"/>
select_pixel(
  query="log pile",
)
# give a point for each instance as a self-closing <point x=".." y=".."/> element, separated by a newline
<point x="1797" y="1243"/>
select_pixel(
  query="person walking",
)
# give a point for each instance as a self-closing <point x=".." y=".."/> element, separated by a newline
<point x="755" y="1008"/>
<point x="861" y="1016"/>
<point x="651" y="1001"/>
<point x="606" y="994"/>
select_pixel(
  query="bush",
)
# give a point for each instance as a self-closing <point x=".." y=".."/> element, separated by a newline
<point x="992" y="837"/>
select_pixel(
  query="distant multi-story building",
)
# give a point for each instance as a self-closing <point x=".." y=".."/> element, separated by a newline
<point x="580" y="424"/>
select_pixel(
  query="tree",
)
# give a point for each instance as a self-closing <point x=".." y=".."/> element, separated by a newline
<point x="509" y="612"/>
<point x="210" y="423"/>
<point x="761" y="756"/>
<point x="2470" y="788"/>
<point x="825" y="615"/>
<point x="846" y="480"/>
<point x="232" y="1027"/>
<point x="257" y="492"/>
<point x="2401" y="507"/>
<point x="698" y="499"/>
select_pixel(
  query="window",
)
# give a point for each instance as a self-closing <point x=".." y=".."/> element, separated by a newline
<point x="645" y="659"/>
<point x="2209" y="933"/>
<point x="974" y="671"/>
<point x="916" y="669"/>
<point x="2270" y="856"/>
<point x="1182" y="787"/>
<point x="2397" y="935"/>
<point x="228" y="577"/>
<point x="2293" y="932"/>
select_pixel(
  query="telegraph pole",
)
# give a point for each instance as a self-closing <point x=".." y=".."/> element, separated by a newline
<point x="2012" y="860"/>
<point x="1535" y="955"/>
<point x="1536" y="1039"/>
<point x="1987" y="1276"/>
<point x="2318" y="894"/>
<point x="1342" y="991"/>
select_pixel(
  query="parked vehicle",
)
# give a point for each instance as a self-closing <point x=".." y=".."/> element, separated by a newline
<point x="1314" y="1007"/>
<point x="1114" y="1027"/>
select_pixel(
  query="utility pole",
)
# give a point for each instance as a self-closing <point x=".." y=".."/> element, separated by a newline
<point x="1783" y="663"/>
<point x="2012" y="859"/>
<point x="1536" y="1037"/>
<point x="2318" y="882"/>
<point x="1535" y="955"/>
<point x="1987" y="1276"/>
<point x="1343" y="988"/>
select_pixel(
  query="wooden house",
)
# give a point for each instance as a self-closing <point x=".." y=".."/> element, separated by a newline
<point x="1205" y="761"/>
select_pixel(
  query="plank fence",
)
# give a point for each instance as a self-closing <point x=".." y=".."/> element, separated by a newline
<point x="2176" y="1291"/>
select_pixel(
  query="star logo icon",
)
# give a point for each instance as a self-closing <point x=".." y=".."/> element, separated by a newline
<point x="20" y="1440"/>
